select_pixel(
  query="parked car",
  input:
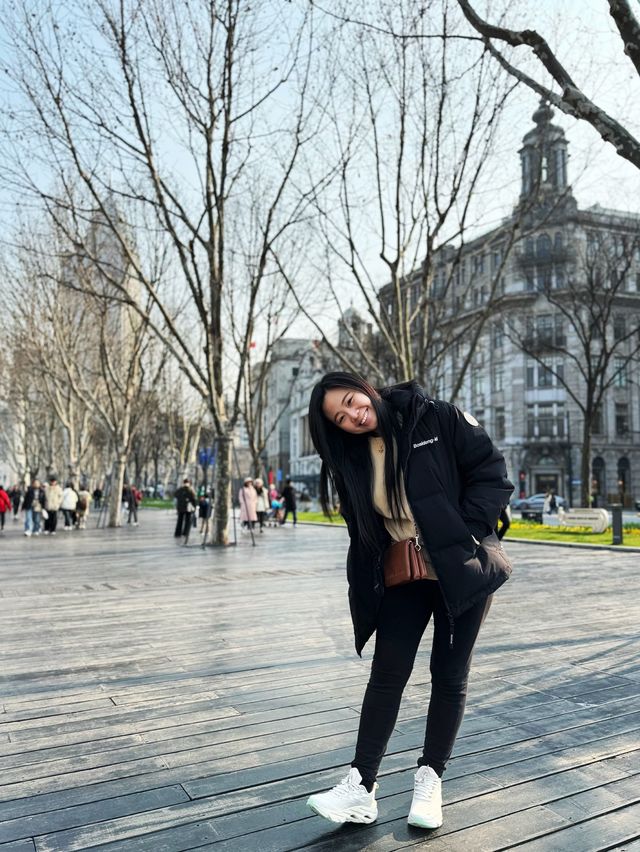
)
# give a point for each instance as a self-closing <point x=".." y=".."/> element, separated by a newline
<point x="535" y="503"/>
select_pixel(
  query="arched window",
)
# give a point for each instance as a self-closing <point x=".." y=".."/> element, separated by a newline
<point x="558" y="241"/>
<point x="624" y="476"/>
<point x="543" y="245"/>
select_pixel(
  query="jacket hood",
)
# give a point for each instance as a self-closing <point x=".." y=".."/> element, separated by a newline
<point x="408" y="399"/>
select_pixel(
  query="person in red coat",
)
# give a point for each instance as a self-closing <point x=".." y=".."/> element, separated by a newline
<point x="5" y="506"/>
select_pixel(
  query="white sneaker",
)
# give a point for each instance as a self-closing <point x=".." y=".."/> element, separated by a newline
<point x="27" y="533"/>
<point x="349" y="801"/>
<point x="426" y="807"/>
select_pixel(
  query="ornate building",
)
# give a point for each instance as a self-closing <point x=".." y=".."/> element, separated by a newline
<point x="535" y="329"/>
<point x="555" y="293"/>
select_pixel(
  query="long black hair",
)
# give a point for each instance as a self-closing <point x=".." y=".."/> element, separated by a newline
<point x="346" y="460"/>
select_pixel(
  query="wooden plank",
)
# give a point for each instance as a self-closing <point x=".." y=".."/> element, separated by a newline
<point x="241" y="690"/>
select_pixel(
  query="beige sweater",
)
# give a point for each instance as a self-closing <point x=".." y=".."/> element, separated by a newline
<point x="398" y="530"/>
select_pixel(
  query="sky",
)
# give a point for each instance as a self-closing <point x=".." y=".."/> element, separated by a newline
<point x="586" y="41"/>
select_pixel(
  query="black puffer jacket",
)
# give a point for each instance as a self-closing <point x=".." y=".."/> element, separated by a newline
<point x="456" y="483"/>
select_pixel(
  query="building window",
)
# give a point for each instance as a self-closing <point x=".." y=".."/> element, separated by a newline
<point x="545" y="376"/>
<point x="478" y="264"/>
<point x="499" y="428"/>
<point x="497" y="378"/>
<point x="497" y="333"/>
<point x="476" y="384"/>
<point x="531" y="376"/>
<point x="305" y="437"/>
<point x="622" y="418"/>
<point x="619" y="327"/>
<point x="620" y="372"/>
<point x="543" y="246"/>
<point x="544" y="329"/>
<point x="545" y="420"/>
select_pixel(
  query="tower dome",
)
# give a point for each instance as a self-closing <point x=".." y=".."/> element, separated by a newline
<point x="543" y="156"/>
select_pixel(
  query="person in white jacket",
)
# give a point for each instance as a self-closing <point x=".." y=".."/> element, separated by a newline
<point x="263" y="504"/>
<point x="69" y="504"/>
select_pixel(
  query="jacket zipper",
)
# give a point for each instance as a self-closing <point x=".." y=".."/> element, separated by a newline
<point x="419" y="546"/>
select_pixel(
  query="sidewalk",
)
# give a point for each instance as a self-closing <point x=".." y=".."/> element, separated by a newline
<point x="158" y="698"/>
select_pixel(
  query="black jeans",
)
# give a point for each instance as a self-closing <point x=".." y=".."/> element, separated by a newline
<point x="294" y="512"/>
<point x="52" y="521"/>
<point x="403" y="617"/>
<point x="183" y="524"/>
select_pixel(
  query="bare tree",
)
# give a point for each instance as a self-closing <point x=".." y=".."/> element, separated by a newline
<point x="414" y="120"/>
<point x="592" y="321"/>
<point x="571" y="98"/>
<point x="173" y="115"/>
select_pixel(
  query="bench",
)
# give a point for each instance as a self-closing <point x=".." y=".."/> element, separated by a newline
<point x="597" y="519"/>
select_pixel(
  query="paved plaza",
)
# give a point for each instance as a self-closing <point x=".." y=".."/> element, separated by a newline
<point x="161" y="698"/>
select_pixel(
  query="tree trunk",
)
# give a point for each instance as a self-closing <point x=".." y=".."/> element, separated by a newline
<point x="223" y="491"/>
<point x="115" y="495"/>
<point x="585" y="464"/>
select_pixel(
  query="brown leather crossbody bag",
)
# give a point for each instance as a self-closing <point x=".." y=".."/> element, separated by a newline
<point x="403" y="563"/>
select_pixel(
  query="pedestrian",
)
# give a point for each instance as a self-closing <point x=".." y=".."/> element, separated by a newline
<point x="5" y="506"/>
<point x="16" y="499"/>
<point x="130" y="503"/>
<point x="68" y="506"/>
<point x="421" y="487"/>
<point x="97" y="497"/>
<point x="33" y="504"/>
<point x="82" y="508"/>
<point x="52" y="504"/>
<point x="504" y="522"/>
<point x="289" y="497"/>
<point x="185" y="498"/>
<point x="263" y="503"/>
<point x="205" y="509"/>
<point x="248" y="500"/>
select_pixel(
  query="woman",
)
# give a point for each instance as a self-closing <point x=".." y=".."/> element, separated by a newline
<point x="68" y="506"/>
<point x="406" y="466"/>
<point x="263" y="504"/>
<point x="248" y="500"/>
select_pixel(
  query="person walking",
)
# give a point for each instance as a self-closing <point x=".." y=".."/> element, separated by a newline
<point x="263" y="503"/>
<point x="33" y="504"/>
<point x="248" y="500"/>
<point x="82" y="508"/>
<point x="130" y="503"/>
<point x="68" y="506"/>
<point x="97" y="497"/>
<point x="205" y="510"/>
<point x="186" y="501"/>
<point x="290" y="505"/>
<point x="5" y="506"/>
<point x="16" y="499"/>
<point x="420" y="487"/>
<point x="52" y="504"/>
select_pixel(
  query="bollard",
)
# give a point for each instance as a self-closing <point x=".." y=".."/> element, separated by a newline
<point x="616" y="522"/>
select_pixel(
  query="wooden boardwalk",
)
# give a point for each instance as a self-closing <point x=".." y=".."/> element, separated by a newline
<point x="156" y="698"/>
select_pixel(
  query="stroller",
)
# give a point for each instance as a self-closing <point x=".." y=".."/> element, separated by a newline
<point x="276" y="514"/>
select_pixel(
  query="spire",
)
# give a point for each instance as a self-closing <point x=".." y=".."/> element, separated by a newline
<point x="544" y="156"/>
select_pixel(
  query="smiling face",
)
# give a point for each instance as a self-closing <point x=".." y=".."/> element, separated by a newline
<point x="351" y="410"/>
